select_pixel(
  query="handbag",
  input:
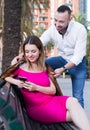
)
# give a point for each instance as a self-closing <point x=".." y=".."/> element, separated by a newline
<point x="2" y="82"/>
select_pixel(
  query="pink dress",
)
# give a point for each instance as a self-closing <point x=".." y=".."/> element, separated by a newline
<point x="42" y="107"/>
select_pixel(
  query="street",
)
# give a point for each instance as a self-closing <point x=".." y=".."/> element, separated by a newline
<point x="65" y="84"/>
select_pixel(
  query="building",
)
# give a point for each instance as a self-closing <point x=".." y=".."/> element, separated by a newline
<point x="83" y="6"/>
<point x="41" y="18"/>
<point x="45" y="17"/>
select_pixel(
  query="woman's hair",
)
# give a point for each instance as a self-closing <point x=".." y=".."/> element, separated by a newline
<point x="34" y="40"/>
<point x="53" y="79"/>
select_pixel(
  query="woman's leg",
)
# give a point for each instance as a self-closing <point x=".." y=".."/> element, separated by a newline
<point x="77" y="114"/>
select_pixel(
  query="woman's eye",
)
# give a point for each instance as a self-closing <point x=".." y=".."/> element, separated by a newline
<point x="26" y="51"/>
<point x="33" y="51"/>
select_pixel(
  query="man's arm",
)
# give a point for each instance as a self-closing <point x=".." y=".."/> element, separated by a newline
<point x="59" y="71"/>
<point x="80" y="47"/>
<point x="46" y="36"/>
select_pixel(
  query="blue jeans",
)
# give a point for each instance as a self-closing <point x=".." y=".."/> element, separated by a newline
<point x="77" y="73"/>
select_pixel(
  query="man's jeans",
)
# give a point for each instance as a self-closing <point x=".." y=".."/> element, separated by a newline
<point x="77" y="73"/>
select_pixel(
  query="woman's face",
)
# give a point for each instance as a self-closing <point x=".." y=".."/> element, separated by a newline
<point x="32" y="53"/>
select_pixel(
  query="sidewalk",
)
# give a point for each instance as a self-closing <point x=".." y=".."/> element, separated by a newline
<point x="66" y="87"/>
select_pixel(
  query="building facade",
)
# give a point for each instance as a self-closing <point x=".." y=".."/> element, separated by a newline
<point x="45" y="17"/>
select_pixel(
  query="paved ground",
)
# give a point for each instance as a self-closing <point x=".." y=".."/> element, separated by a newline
<point x="65" y="84"/>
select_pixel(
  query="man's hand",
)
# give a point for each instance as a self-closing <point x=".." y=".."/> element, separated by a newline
<point x="58" y="72"/>
<point x="15" y="60"/>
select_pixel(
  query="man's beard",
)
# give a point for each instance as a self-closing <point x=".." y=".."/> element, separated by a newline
<point x="63" y="30"/>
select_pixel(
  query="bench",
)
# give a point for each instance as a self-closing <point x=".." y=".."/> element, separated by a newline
<point x="13" y="114"/>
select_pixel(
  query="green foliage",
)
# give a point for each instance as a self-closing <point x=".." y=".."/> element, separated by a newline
<point x="28" y="7"/>
<point x="26" y="26"/>
<point x="39" y="31"/>
<point x="81" y="18"/>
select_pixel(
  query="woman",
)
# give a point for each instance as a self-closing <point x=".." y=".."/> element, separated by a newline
<point x="39" y="91"/>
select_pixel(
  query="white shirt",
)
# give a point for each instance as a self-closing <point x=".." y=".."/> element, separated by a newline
<point x="72" y="46"/>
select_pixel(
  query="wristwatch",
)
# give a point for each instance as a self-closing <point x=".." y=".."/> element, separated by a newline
<point x="65" y="69"/>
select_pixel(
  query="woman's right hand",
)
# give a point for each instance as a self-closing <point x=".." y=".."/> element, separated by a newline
<point x="14" y="81"/>
<point x="20" y="83"/>
<point x="15" y="60"/>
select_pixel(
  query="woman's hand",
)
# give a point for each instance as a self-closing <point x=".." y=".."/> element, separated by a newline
<point x="14" y="81"/>
<point x="29" y="86"/>
<point x="20" y="83"/>
<point x="34" y="87"/>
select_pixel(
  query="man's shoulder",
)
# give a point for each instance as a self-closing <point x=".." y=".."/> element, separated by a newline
<point x="51" y="30"/>
<point x="77" y="24"/>
<point x="52" y="26"/>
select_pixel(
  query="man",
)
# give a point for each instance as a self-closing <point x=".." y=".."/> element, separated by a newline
<point x="70" y="39"/>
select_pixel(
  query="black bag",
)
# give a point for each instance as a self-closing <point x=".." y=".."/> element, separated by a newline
<point x="2" y="82"/>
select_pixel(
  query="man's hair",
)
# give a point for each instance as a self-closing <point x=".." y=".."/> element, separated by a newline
<point x="64" y="8"/>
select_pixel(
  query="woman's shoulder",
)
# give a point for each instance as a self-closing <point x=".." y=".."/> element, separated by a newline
<point x="24" y="68"/>
<point x="20" y="68"/>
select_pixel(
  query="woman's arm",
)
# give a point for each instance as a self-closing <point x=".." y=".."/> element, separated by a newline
<point x="32" y="87"/>
<point x="47" y="90"/>
<point x="17" y="82"/>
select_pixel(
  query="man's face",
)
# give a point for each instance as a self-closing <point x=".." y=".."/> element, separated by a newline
<point x="61" y="21"/>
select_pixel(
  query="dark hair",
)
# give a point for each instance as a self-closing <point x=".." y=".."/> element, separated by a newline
<point x="33" y="40"/>
<point x="64" y="8"/>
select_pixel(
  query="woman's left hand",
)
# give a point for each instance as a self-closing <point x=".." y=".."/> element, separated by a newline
<point x="30" y="86"/>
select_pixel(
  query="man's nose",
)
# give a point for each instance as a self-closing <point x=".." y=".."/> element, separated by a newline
<point x="57" y="24"/>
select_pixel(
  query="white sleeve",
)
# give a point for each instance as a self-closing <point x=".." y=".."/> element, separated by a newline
<point x="80" y="47"/>
<point x="46" y="36"/>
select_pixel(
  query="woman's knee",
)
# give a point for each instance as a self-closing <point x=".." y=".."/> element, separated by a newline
<point x="71" y="102"/>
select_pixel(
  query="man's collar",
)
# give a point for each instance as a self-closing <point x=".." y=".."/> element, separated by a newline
<point x="69" y="27"/>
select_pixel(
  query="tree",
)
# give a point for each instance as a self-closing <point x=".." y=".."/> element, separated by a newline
<point x="0" y="14"/>
<point x="14" y="25"/>
<point x="28" y="7"/>
<point x="11" y="31"/>
<point x="88" y="51"/>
